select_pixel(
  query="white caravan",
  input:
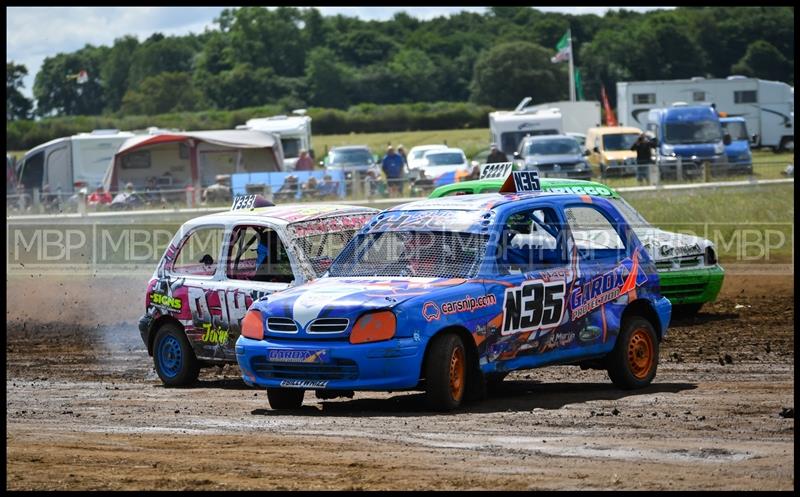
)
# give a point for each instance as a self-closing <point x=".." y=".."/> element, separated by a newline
<point x="508" y="128"/>
<point x="294" y="131"/>
<point x="767" y="106"/>
<point x="62" y="162"/>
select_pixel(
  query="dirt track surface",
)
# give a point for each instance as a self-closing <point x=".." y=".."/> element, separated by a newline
<point x="85" y="410"/>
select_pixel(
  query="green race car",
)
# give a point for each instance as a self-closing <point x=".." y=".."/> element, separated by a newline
<point x="687" y="265"/>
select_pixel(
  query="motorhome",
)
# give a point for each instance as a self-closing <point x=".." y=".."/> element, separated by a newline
<point x="63" y="162"/>
<point x="294" y="131"/>
<point x="690" y="135"/>
<point x="508" y="128"/>
<point x="767" y="106"/>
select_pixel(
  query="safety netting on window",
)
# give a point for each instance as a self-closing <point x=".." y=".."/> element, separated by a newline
<point x="424" y="254"/>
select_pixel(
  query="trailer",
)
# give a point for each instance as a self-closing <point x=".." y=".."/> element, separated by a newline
<point x="294" y="131"/>
<point x="508" y="128"/>
<point x="767" y="106"/>
<point x="63" y="162"/>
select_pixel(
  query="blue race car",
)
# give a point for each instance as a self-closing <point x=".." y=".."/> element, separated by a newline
<point x="449" y="295"/>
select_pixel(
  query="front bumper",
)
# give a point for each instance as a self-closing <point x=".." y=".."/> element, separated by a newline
<point x="692" y="286"/>
<point x="388" y="365"/>
<point x="693" y="165"/>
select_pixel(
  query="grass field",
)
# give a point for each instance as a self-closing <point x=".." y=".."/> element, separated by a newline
<point x="741" y="222"/>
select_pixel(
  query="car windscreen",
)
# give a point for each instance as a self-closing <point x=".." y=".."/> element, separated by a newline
<point x="509" y="141"/>
<point x="344" y="157"/>
<point x="319" y="241"/>
<point x="737" y="130"/>
<point x="553" y="147"/>
<point x="635" y="220"/>
<point x="446" y="159"/>
<point x="619" y="141"/>
<point x="692" y="132"/>
<point x="425" y="254"/>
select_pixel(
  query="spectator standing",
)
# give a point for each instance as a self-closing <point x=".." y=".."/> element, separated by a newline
<point x="393" y="167"/>
<point x="643" y="148"/>
<point x="402" y="152"/>
<point x="496" y="155"/>
<point x="219" y="191"/>
<point x="304" y="162"/>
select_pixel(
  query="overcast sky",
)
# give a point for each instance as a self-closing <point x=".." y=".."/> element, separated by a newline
<point x="33" y="33"/>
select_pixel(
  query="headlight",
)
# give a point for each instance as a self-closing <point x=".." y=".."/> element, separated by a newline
<point x="667" y="149"/>
<point x="253" y="325"/>
<point x="374" y="327"/>
<point x="711" y="257"/>
<point x="719" y="148"/>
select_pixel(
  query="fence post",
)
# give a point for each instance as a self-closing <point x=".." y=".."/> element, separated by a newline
<point x="655" y="176"/>
<point x="189" y="196"/>
<point x="679" y="170"/>
<point x="81" y="203"/>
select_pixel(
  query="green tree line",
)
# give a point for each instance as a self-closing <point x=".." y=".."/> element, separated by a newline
<point x="296" y="57"/>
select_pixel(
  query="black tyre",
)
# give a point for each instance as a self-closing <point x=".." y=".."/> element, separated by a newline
<point x="285" y="398"/>
<point x="685" y="310"/>
<point x="634" y="360"/>
<point x="174" y="358"/>
<point x="446" y="373"/>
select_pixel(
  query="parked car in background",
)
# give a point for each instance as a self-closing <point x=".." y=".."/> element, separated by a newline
<point x="217" y="264"/>
<point x="687" y="265"/>
<point x="415" y="155"/>
<point x="557" y="156"/>
<point x="356" y="160"/>
<point x="740" y="158"/>
<point x="445" y="165"/>
<point x="610" y="149"/>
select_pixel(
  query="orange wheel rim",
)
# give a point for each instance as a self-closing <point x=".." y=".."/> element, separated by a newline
<point x="457" y="373"/>
<point x="641" y="354"/>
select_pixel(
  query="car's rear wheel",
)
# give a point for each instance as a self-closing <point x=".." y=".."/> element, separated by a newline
<point x="285" y="398"/>
<point x="446" y="372"/>
<point x="634" y="360"/>
<point x="174" y="358"/>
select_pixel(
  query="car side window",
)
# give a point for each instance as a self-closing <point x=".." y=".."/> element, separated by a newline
<point x="593" y="234"/>
<point x="199" y="252"/>
<point x="531" y="240"/>
<point x="257" y="253"/>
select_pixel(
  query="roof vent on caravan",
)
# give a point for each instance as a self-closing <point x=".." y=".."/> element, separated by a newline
<point x="242" y="126"/>
<point x="679" y="104"/>
<point x="523" y="103"/>
<point x="736" y="76"/>
<point x="277" y="117"/>
<point x="698" y="78"/>
<point x="110" y="131"/>
<point x="299" y="112"/>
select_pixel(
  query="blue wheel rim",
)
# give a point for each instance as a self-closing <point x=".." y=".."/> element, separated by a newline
<point x="170" y="356"/>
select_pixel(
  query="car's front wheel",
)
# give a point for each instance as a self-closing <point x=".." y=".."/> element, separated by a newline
<point x="174" y="358"/>
<point x="634" y="360"/>
<point x="285" y="398"/>
<point x="446" y="373"/>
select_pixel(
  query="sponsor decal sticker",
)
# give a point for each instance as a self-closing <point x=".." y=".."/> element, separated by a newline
<point x="304" y="383"/>
<point x="308" y="356"/>
<point x="606" y="287"/>
<point x="214" y="335"/>
<point x="468" y="304"/>
<point x="430" y="311"/>
<point x="166" y="301"/>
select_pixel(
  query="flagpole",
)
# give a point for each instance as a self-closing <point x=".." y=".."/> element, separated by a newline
<point x="571" y="68"/>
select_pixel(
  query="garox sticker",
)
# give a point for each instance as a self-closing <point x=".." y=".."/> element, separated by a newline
<point x="285" y="355"/>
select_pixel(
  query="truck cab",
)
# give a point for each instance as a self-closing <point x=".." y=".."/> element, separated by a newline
<point x="610" y="149"/>
<point x="691" y="133"/>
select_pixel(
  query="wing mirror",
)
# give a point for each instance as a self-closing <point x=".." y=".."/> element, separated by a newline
<point x="586" y="152"/>
<point x="596" y="150"/>
<point x="726" y="139"/>
<point x="516" y="155"/>
<point x="755" y="139"/>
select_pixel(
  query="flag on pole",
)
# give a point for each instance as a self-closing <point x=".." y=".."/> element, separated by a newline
<point x="564" y="48"/>
<point x="611" y="119"/>
<point x="579" y="84"/>
<point x="80" y="78"/>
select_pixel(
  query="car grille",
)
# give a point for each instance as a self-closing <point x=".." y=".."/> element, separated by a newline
<point x="562" y="166"/>
<point x="281" y="325"/>
<point x="328" y="325"/>
<point x="686" y="290"/>
<point x="340" y="369"/>
<point x="682" y="263"/>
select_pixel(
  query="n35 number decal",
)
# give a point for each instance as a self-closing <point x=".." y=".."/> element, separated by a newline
<point x="534" y="305"/>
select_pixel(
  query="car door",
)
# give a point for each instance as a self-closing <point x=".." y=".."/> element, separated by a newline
<point x="533" y="280"/>
<point x="607" y="274"/>
<point x="256" y="262"/>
